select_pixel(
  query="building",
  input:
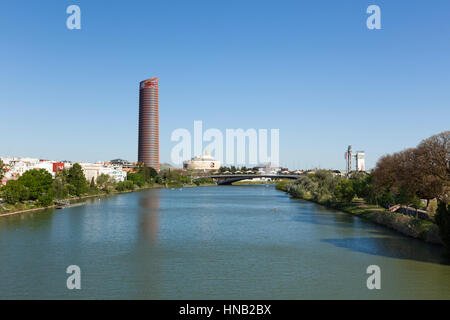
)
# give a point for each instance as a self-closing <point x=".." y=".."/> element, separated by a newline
<point x="94" y="170"/>
<point x="359" y="157"/>
<point x="205" y="163"/>
<point x="148" y="144"/>
<point x="359" y="160"/>
<point x="15" y="167"/>
<point x="122" y="163"/>
<point x="348" y="159"/>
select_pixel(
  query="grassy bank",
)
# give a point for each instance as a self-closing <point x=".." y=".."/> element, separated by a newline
<point x="407" y="225"/>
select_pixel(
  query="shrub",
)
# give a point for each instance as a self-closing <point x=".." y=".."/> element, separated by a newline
<point x="442" y="219"/>
<point x="125" y="185"/>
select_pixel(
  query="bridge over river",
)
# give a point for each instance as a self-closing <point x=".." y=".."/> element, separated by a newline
<point x="227" y="179"/>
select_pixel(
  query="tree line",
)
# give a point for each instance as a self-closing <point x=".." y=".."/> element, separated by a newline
<point x="403" y="178"/>
<point x="38" y="185"/>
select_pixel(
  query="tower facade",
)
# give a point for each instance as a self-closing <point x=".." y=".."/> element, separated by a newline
<point x="348" y="158"/>
<point x="148" y="144"/>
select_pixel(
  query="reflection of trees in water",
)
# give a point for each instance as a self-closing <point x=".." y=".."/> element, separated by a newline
<point x="398" y="247"/>
<point x="316" y="214"/>
<point x="39" y="218"/>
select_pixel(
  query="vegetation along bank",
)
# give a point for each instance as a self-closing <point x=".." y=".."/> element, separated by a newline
<point x="407" y="191"/>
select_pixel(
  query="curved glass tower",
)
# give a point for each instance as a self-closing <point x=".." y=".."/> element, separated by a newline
<point x="148" y="145"/>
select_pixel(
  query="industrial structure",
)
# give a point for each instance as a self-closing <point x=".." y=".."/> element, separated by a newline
<point x="148" y="144"/>
<point x="359" y="160"/>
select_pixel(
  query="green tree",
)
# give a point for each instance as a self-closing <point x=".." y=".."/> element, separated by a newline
<point x="92" y="185"/>
<point x="148" y="173"/>
<point x="46" y="198"/>
<point x="76" y="178"/>
<point x="105" y="183"/>
<point x="60" y="187"/>
<point x="344" y="191"/>
<point x="442" y="219"/>
<point x="2" y="170"/>
<point x="386" y="198"/>
<point x="136" y="178"/>
<point x="14" y="191"/>
<point x="38" y="182"/>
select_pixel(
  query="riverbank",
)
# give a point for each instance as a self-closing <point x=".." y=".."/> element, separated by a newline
<point x="407" y="225"/>
<point x="33" y="207"/>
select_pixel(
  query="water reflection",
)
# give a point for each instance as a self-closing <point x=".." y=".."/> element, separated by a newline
<point x="149" y="215"/>
<point x="398" y="247"/>
<point x="329" y="217"/>
<point x="148" y="259"/>
<point x="38" y="218"/>
<point x="211" y="242"/>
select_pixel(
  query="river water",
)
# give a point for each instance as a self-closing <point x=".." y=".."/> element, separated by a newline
<point x="224" y="242"/>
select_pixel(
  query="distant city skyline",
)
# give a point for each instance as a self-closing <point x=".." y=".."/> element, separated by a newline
<point x="312" y="70"/>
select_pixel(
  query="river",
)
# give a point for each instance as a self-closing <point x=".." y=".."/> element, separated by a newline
<point x="218" y="242"/>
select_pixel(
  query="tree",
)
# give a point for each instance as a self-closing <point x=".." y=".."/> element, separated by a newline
<point x="46" y="198"/>
<point x="364" y="188"/>
<point x="60" y="187"/>
<point x="136" y="178"/>
<point x="344" y="191"/>
<point x="384" y="174"/>
<point x="38" y="182"/>
<point x="105" y="182"/>
<point x="2" y="170"/>
<point x="76" y="178"/>
<point x="148" y="173"/>
<point x="14" y="191"/>
<point x="442" y="219"/>
<point x="92" y="185"/>
<point x="430" y="187"/>
<point x="435" y="156"/>
<point x="422" y="172"/>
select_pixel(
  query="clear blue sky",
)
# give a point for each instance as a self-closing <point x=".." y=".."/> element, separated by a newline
<point x="309" y="68"/>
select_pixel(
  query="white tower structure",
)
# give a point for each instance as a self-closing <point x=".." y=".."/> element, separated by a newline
<point x="360" y="164"/>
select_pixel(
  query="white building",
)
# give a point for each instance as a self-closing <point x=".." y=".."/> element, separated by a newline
<point x="94" y="170"/>
<point x="15" y="167"/>
<point x="360" y="164"/>
<point x="205" y="162"/>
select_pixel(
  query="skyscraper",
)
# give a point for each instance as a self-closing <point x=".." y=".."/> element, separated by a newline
<point x="148" y="145"/>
